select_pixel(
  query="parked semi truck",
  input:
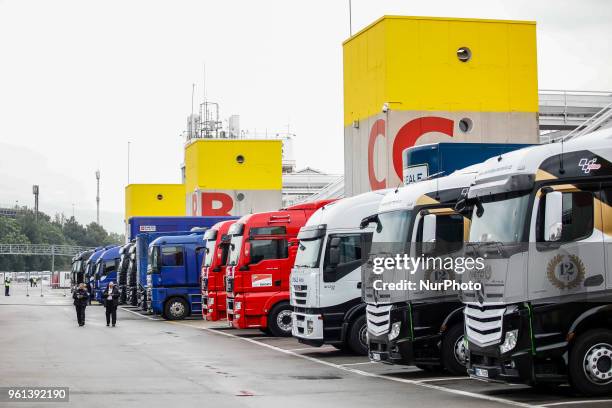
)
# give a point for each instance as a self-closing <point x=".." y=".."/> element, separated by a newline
<point x="122" y="271"/>
<point x="442" y="159"/>
<point x="214" y="265"/>
<point x="90" y="267"/>
<point x="157" y="227"/>
<point x="326" y="276"/>
<point x="105" y="271"/>
<point x="542" y="219"/>
<point x="417" y="326"/>
<point x="262" y="250"/>
<point x="173" y="276"/>
<point x="78" y="266"/>
<point x="132" y="277"/>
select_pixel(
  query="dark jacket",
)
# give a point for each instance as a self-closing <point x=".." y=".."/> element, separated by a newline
<point x="111" y="303"/>
<point x="80" y="297"/>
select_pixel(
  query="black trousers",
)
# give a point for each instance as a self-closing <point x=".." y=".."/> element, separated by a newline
<point x="80" y="312"/>
<point x="111" y="312"/>
<point x="6" y="290"/>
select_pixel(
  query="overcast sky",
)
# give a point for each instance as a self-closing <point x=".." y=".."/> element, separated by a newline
<point x="78" y="79"/>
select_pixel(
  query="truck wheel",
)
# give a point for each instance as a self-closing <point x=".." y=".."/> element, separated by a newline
<point x="590" y="363"/>
<point x="279" y="320"/>
<point x="453" y="351"/>
<point x="358" y="336"/>
<point x="175" y="309"/>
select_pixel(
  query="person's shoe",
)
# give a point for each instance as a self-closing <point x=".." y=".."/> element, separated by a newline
<point x="107" y="324"/>
<point x="113" y="325"/>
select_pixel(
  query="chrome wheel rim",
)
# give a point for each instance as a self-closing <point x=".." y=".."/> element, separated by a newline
<point x="597" y="364"/>
<point x="283" y="320"/>
<point x="459" y="351"/>
<point x="177" y="309"/>
<point x="363" y="336"/>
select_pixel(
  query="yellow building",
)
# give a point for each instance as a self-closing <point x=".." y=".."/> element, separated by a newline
<point x="232" y="177"/>
<point x="415" y="80"/>
<point x="154" y="200"/>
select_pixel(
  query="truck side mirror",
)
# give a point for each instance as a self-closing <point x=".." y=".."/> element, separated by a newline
<point x="334" y="252"/>
<point x="553" y="212"/>
<point x="429" y="228"/>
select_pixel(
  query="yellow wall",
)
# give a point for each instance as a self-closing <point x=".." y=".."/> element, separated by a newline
<point x="141" y="200"/>
<point x="412" y="62"/>
<point x="211" y="164"/>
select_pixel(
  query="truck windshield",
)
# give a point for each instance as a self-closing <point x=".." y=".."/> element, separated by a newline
<point x="392" y="227"/>
<point x="308" y="253"/>
<point x="153" y="260"/>
<point x="502" y="219"/>
<point x="234" y="250"/>
<point x="210" y="252"/>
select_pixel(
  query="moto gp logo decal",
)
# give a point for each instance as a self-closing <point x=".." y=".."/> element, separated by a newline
<point x="565" y="271"/>
<point x="587" y="165"/>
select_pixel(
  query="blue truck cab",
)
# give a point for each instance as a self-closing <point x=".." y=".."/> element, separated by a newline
<point x="441" y="159"/>
<point x="173" y="276"/>
<point x="90" y="266"/>
<point x="105" y="271"/>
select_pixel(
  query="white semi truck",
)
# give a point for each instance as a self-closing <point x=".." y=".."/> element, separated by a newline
<point x="417" y="326"/>
<point x="542" y="219"/>
<point x="326" y="277"/>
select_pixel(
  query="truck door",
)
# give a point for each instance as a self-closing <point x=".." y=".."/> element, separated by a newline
<point x="172" y="271"/>
<point x="572" y="263"/>
<point x="269" y="257"/>
<point x="606" y="216"/>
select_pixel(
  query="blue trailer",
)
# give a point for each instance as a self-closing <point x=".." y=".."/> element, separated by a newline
<point x="105" y="271"/>
<point x="441" y="159"/>
<point x="137" y="225"/>
<point x="159" y="226"/>
<point x="173" y="276"/>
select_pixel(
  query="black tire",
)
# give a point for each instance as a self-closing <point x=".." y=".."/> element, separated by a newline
<point x="593" y="346"/>
<point x="357" y="336"/>
<point x="279" y="320"/>
<point x="176" y="309"/>
<point x="453" y="351"/>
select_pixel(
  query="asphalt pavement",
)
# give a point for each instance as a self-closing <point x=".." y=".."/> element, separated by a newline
<point x="148" y="362"/>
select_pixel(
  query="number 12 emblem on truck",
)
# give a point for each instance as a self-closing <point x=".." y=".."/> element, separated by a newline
<point x="565" y="271"/>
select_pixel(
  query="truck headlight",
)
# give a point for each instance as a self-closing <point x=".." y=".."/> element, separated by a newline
<point x="509" y="342"/>
<point x="237" y="305"/>
<point x="309" y="326"/>
<point x="395" y="330"/>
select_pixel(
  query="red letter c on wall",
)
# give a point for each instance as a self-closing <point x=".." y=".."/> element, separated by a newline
<point x="378" y="129"/>
<point x="412" y="131"/>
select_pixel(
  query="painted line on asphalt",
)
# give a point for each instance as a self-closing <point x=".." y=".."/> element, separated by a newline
<point x="312" y="348"/>
<point x="354" y="364"/>
<point x="366" y="374"/>
<point x="443" y="379"/>
<point x="141" y="315"/>
<point x="556" y="404"/>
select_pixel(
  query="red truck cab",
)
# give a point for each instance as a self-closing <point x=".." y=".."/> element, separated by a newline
<point x="213" y="271"/>
<point x="262" y="251"/>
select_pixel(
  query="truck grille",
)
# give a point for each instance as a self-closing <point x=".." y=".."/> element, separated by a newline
<point x="300" y="293"/>
<point x="229" y="284"/>
<point x="483" y="324"/>
<point x="378" y="318"/>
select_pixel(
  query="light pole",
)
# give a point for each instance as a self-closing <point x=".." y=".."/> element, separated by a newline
<point x="98" y="196"/>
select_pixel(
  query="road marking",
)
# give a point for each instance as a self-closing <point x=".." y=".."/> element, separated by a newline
<point x="555" y="404"/>
<point x="141" y="315"/>
<point x="465" y="377"/>
<point x="366" y="374"/>
<point x="311" y="348"/>
<point x="352" y="364"/>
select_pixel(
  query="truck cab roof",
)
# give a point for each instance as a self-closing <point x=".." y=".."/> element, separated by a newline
<point x="179" y="240"/>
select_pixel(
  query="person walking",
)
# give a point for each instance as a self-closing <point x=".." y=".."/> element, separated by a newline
<point x="88" y="286"/>
<point x="31" y="282"/>
<point x="80" y="297"/>
<point x="111" y="300"/>
<point x="7" y="285"/>
<point x="35" y="281"/>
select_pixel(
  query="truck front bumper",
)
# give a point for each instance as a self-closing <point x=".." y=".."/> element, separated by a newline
<point x="308" y="328"/>
<point x="214" y="305"/>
